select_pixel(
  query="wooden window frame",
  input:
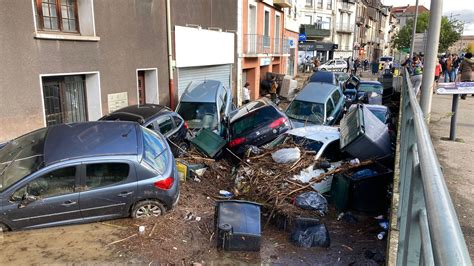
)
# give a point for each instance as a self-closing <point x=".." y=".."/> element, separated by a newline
<point x="39" y="10"/>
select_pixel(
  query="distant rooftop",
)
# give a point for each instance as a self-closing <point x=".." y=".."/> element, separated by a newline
<point x="408" y="9"/>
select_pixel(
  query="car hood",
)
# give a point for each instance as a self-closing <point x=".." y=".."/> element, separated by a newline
<point x="324" y="134"/>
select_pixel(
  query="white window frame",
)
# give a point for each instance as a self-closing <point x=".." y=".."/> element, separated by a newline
<point x="254" y="5"/>
<point x="86" y="35"/>
<point x="157" y="100"/>
<point x="88" y="96"/>
<point x="275" y="30"/>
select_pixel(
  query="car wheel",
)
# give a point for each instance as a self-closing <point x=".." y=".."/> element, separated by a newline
<point x="183" y="147"/>
<point x="4" y="228"/>
<point x="148" y="208"/>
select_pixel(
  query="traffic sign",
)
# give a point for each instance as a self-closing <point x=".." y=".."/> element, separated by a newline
<point x="302" y="37"/>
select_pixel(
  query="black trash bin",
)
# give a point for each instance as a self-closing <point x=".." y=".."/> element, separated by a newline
<point x="238" y="225"/>
<point x="364" y="189"/>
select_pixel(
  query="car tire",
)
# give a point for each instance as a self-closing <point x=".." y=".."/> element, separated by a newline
<point x="147" y="209"/>
<point x="184" y="146"/>
<point x="4" y="228"/>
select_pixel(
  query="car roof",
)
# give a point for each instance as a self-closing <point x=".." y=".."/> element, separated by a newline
<point x="375" y="107"/>
<point x="143" y="111"/>
<point x="89" y="139"/>
<point x="203" y="91"/>
<point x="316" y="92"/>
<point x="320" y="133"/>
<point x="250" y="107"/>
<point x="322" y="76"/>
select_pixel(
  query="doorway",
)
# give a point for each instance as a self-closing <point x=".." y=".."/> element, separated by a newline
<point x="141" y="87"/>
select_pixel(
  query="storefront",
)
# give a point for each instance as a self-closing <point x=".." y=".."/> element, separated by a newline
<point x="324" y="51"/>
<point x="203" y="55"/>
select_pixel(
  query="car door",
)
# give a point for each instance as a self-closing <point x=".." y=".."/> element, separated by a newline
<point x="108" y="189"/>
<point x="49" y="198"/>
<point x="338" y="104"/>
<point x="329" y="116"/>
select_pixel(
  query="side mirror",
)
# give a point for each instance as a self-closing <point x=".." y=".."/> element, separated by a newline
<point x="25" y="200"/>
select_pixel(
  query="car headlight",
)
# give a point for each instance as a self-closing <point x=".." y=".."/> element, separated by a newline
<point x="373" y="94"/>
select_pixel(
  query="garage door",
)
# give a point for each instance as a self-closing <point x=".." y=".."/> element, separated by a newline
<point x="221" y="73"/>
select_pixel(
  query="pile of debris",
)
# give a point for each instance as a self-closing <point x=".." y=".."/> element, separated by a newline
<point x="271" y="177"/>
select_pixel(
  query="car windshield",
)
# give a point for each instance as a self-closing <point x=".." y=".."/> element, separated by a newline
<point x="342" y="76"/>
<point x="380" y="115"/>
<point x="366" y="87"/>
<point x="199" y="115"/>
<point x="154" y="152"/>
<point x="308" y="144"/>
<point x="21" y="157"/>
<point x="256" y="119"/>
<point x="306" y="111"/>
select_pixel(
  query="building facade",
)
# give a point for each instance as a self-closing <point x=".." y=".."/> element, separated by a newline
<point x="317" y="19"/>
<point x="77" y="60"/>
<point x="292" y="27"/>
<point x="405" y="13"/>
<point x="264" y="47"/>
<point x="344" y="27"/>
<point x="203" y="41"/>
<point x="371" y="23"/>
<point x="74" y="61"/>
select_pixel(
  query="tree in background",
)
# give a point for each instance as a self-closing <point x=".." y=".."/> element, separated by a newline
<point x="450" y="32"/>
<point x="470" y="48"/>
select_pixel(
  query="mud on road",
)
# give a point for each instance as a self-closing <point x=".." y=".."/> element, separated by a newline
<point x="186" y="235"/>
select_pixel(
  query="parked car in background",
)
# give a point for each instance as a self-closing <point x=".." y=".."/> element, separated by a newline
<point x="323" y="76"/>
<point x="84" y="172"/>
<point x="158" y="118"/>
<point x="256" y="124"/>
<point x="334" y="65"/>
<point x="370" y="92"/>
<point x="206" y="104"/>
<point x="316" y="104"/>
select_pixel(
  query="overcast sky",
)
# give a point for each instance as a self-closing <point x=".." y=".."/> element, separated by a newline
<point x="460" y="9"/>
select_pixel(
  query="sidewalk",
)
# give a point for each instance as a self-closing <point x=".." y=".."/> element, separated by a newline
<point x="457" y="159"/>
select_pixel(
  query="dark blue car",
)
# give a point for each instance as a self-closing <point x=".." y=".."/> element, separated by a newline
<point x="84" y="172"/>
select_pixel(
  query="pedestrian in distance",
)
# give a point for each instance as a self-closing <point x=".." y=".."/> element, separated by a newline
<point x="246" y="92"/>
<point x="466" y="70"/>
<point x="316" y="64"/>
<point x="449" y="69"/>
<point x="438" y="70"/>
<point x="416" y="74"/>
<point x="349" y="64"/>
<point x="407" y="64"/>
<point x="456" y="64"/>
<point x="273" y="89"/>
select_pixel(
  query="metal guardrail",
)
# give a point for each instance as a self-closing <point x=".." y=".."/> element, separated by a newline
<point x="260" y="44"/>
<point x="429" y="228"/>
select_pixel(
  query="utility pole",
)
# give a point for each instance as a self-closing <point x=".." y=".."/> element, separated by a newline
<point x="414" y="31"/>
<point x="431" y="56"/>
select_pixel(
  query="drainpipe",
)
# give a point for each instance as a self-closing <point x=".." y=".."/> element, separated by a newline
<point x="170" y="52"/>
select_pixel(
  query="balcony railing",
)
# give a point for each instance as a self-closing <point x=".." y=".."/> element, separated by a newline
<point x="260" y="44"/>
<point x="345" y="27"/>
<point x="283" y="3"/>
<point x="319" y="29"/>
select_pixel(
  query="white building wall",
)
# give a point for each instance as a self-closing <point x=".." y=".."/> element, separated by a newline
<point x="345" y="17"/>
